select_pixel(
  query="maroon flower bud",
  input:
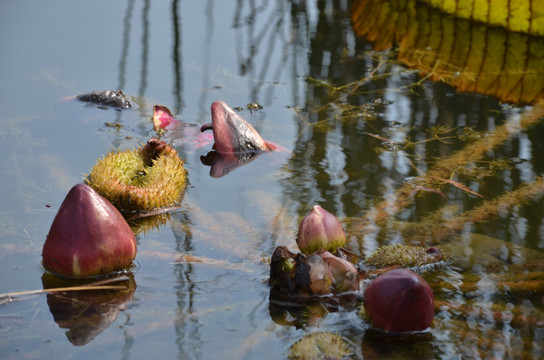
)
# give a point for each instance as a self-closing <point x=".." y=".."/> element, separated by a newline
<point x="320" y="230"/>
<point x="88" y="237"/>
<point x="399" y="301"/>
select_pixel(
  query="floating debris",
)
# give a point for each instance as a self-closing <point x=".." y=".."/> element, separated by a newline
<point x="517" y="160"/>
<point x="393" y="146"/>
<point x="394" y="124"/>
<point x="117" y="126"/>
<point x="253" y="107"/>
<point x="381" y="101"/>
<point x="109" y="98"/>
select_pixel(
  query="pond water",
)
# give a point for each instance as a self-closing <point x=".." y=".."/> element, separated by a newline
<point x="396" y="157"/>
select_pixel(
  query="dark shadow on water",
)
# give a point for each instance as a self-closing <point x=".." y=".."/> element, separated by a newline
<point x="379" y="345"/>
<point x="145" y="47"/>
<point x="125" y="45"/>
<point x="177" y="58"/>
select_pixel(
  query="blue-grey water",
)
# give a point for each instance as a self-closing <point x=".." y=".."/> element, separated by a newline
<point x="287" y="56"/>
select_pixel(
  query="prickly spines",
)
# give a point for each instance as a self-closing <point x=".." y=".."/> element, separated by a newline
<point x="143" y="179"/>
<point x="416" y="258"/>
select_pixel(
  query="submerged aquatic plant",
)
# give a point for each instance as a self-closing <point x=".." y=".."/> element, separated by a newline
<point x="140" y="180"/>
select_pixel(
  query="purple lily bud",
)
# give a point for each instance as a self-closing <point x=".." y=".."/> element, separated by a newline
<point x="320" y="230"/>
<point x="399" y="301"/>
<point x="88" y="237"/>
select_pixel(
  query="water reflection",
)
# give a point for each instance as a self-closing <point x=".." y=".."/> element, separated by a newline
<point x="221" y="165"/>
<point x="177" y="58"/>
<point x="341" y="162"/>
<point x="145" y="48"/>
<point x="471" y="56"/>
<point x="364" y="124"/>
<point x="378" y="345"/>
<point x="125" y="44"/>
<point x="87" y="313"/>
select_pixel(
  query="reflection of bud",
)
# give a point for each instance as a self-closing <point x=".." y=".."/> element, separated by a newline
<point x="85" y="314"/>
<point x="399" y="301"/>
<point x="88" y="237"/>
<point x="311" y="314"/>
<point x="320" y="230"/>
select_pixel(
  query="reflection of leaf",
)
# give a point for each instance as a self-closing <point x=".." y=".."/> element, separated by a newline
<point x="471" y="56"/>
<point x="521" y="15"/>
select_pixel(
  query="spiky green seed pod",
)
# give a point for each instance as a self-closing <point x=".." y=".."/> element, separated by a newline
<point x="321" y="345"/>
<point x="140" y="180"/>
<point x="406" y="256"/>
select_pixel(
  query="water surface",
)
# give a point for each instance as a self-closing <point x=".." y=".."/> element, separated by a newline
<point x="360" y="129"/>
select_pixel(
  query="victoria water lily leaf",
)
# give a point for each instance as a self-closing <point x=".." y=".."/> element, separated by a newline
<point x="522" y="15"/>
<point x="471" y="56"/>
